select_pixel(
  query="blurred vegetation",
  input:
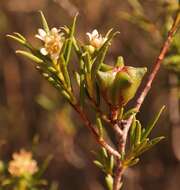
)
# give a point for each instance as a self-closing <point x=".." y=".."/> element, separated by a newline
<point x="30" y="108"/>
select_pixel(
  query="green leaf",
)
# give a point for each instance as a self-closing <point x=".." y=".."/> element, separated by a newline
<point x="172" y="59"/>
<point x="136" y="6"/>
<point x="131" y="162"/>
<point x="44" y="22"/>
<point x="172" y="62"/>
<point x="132" y="131"/>
<point x="137" y="133"/>
<point x="44" y="166"/>
<point x="77" y="78"/>
<point x="77" y="50"/>
<point x="134" y="162"/>
<point x="53" y="70"/>
<point x="65" y="71"/>
<point x="140" y="148"/>
<point x="90" y="85"/>
<point x="99" y="126"/>
<point x="20" y="39"/>
<point x="150" y="144"/>
<point x="155" y="141"/>
<point x="64" y="47"/>
<point x="109" y="182"/>
<point x="66" y="95"/>
<point x="98" y="164"/>
<point x="104" y="161"/>
<point x="16" y="38"/>
<point x="30" y="56"/>
<point x="102" y="157"/>
<point x="88" y="61"/>
<point x="111" y="164"/>
<point x="152" y="125"/>
<point x="129" y="113"/>
<point x="70" y="41"/>
<point x="20" y="36"/>
<point x="104" y="152"/>
<point x="135" y="151"/>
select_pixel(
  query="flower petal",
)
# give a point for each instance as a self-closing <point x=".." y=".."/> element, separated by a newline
<point x="42" y="32"/>
<point x="95" y="33"/>
<point x="89" y="36"/>
<point x="43" y="51"/>
<point x="54" y="30"/>
<point x="39" y="37"/>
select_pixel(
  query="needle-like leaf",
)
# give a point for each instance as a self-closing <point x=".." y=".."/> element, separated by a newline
<point x="44" y="22"/>
<point x="152" y="124"/>
<point x="30" y="56"/>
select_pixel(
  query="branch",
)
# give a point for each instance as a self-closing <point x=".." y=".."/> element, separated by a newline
<point x="110" y="120"/>
<point x="103" y="116"/>
<point x="98" y="139"/>
<point x="126" y="126"/>
<point x="156" y="67"/>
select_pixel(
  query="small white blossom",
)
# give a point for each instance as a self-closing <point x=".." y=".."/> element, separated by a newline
<point x="53" y="42"/>
<point x="22" y="164"/>
<point x="96" y="39"/>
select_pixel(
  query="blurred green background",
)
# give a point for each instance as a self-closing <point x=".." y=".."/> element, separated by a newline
<point x="33" y="115"/>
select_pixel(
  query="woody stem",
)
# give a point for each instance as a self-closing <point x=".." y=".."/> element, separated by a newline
<point x="141" y="98"/>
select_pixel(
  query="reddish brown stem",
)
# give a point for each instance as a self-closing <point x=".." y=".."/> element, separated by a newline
<point x="155" y="69"/>
<point x="101" y="114"/>
<point x="112" y="120"/>
<point x="98" y="139"/>
<point x="140" y="100"/>
<point x="118" y="176"/>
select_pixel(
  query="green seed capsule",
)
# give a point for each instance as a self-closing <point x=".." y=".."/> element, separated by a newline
<point x="119" y="85"/>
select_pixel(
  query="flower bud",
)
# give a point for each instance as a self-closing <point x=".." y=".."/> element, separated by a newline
<point x="90" y="49"/>
<point x="119" y="85"/>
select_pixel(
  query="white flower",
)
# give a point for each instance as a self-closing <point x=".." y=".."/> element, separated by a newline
<point x="22" y="164"/>
<point x="96" y="39"/>
<point x="53" y="42"/>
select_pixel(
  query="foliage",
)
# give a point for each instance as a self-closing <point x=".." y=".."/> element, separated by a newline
<point x="97" y="82"/>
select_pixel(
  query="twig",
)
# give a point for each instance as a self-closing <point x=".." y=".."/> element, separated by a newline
<point x="118" y="176"/>
<point x="154" y="71"/>
<point x="140" y="100"/>
<point x="101" y="114"/>
<point x="156" y="68"/>
<point x="97" y="137"/>
<point x="110" y="120"/>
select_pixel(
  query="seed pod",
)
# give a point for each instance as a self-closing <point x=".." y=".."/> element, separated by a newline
<point x="119" y="85"/>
